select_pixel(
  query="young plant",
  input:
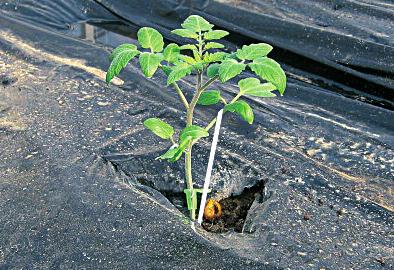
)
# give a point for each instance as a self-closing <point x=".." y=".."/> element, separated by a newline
<point x="208" y="65"/>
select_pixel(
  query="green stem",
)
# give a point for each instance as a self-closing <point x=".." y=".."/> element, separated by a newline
<point x="172" y="140"/>
<point x="181" y="95"/>
<point x="188" y="152"/>
<point x="200" y="43"/>
<point x="189" y="121"/>
<point x="179" y="91"/>
<point x="189" y="177"/>
<point x="196" y="96"/>
<point x="223" y="100"/>
<point x="209" y="82"/>
<point x="213" y="121"/>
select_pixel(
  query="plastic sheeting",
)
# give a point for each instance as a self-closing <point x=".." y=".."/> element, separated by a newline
<point x="62" y="205"/>
<point x="339" y="39"/>
<point x="347" y="45"/>
<point x="69" y="142"/>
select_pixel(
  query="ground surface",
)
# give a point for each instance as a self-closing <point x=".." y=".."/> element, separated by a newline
<point x="62" y="206"/>
<point x="73" y="158"/>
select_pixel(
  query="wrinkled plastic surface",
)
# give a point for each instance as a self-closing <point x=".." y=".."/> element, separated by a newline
<point x="354" y="38"/>
<point x="62" y="205"/>
<point x="345" y="45"/>
<point x="69" y="142"/>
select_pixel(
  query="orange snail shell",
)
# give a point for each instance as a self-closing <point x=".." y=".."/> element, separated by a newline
<point x="212" y="210"/>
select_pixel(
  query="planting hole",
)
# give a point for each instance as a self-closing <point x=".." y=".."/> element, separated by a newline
<point x="234" y="210"/>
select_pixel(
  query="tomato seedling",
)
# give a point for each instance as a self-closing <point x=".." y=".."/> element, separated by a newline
<point x="208" y="64"/>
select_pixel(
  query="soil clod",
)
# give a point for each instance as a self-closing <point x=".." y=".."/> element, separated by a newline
<point x="234" y="211"/>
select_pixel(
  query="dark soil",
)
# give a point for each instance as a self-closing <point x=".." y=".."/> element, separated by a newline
<point x="234" y="211"/>
<point x="234" y="208"/>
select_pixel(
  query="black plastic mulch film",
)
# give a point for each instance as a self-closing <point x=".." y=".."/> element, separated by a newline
<point x="324" y="151"/>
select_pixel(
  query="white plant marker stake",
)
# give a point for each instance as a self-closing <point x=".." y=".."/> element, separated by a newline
<point x="210" y="165"/>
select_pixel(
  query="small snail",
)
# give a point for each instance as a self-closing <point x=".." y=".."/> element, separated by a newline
<point x="212" y="210"/>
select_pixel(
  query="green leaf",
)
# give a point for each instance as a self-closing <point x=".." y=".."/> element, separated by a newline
<point x="178" y="154"/>
<point x="270" y="70"/>
<point x="214" y="57"/>
<point x="215" y="34"/>
<point x="187" y="59"/>
<point x="241" y="108"/>
<point x="171" y="53"/>
<point x="229" y="69"/>
<point x="232" y="55"/>
<point x="213" y="45"/>
<point x="196" y="55"/>
<point x="196" y="24"/>
<point x="194" y="132"/>
<point x="253" y="87"/>
<point x="253" y="51"/>
<point x="159" y="127"/>
<point x="149" y="63"/>
<point x="150" y="38"/>
<point x="188" y="47"/>
<point x="186" y="33"/>
<point x="199" y="66"/>
<point x="121" y="56"/>
<point x="173" y="154"/>
<point x="209" y="97"/>
<point x="169" y="154"/>
<point x="120" y="49"/>
<point x="213" y="70"/>
<point x="179" y="71"/>
<point x="166" y="69"/>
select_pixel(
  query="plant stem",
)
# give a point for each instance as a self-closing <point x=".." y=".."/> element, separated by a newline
<point x="188" y="152"/>
<point x="223" y="100"/>
<point x="189" y="177"/>
<point x="172" y="141"/>
<point x="196" y="96"/>
<point x="189" y="122"/>
<point x="181" y="95"/>
<point x="209" y="82"/>
<point x="179" y="91"/>
<point x="213" y="121"/>
<point x="188" y="165"/>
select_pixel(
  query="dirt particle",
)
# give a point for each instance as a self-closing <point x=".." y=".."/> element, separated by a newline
<point x="101" y="103"/>
<point x="307" y="216"/>
<point x="7" y="80"/>
<point x="341" y="211"/>
<point x="381" y="260"/>
<point x="313" y="152"/>
<point x="320" y="201"/>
